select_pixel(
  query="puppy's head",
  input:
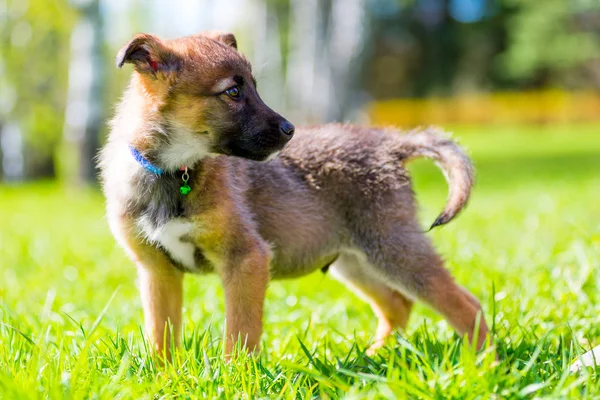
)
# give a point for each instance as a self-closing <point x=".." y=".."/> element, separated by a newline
<point x="201" y="93"/>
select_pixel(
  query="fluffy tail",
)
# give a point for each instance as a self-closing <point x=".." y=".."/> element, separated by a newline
<point x="451" y="159"/>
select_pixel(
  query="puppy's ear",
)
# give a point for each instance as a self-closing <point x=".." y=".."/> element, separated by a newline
<point x="223" y="37"/>
<point x="148" y="54"/>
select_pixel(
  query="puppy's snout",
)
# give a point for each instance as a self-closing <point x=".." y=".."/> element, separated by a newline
<point x="287" y="129"/>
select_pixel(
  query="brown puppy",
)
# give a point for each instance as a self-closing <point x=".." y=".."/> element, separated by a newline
<point x="335" y="196"/>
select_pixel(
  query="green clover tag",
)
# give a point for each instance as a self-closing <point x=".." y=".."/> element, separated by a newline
<point x="185" y="189"/>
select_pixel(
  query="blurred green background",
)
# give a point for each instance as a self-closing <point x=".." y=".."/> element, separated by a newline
<point x="404" y="62"/>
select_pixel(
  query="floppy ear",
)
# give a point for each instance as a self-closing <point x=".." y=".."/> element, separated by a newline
<point x="148" y="54"/>
<point x="223" y="37"/>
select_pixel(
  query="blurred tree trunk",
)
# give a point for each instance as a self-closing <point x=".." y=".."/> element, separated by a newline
<point x="268" y="61"/>
<point x="303" y="49"/>
<point x="348" y="30"/>
<point x="1" y="160"/>
<point x="84" y="116"/>
<point x="11" y="142"/>
<point x="326" y="41"/>
<point x="1" y="154"/>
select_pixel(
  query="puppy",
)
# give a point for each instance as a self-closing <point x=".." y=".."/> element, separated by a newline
<point x="199" y="178"/>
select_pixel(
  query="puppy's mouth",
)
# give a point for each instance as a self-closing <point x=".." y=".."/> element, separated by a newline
<point x="252" y="148"/>
<point x="254" y="154"/>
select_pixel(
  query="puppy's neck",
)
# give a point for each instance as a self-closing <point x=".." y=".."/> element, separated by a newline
<point x="141" y="122"/>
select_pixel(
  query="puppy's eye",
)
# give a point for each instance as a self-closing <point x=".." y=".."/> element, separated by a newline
<point x="234" y="92"/>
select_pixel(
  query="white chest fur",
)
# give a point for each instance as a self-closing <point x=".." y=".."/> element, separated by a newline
<point x="172" y="238"/>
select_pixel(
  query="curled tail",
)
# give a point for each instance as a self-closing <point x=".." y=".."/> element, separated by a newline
<point x="451" y="159"/>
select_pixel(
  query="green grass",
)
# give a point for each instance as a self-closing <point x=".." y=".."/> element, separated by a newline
<point x="528" y="246"/>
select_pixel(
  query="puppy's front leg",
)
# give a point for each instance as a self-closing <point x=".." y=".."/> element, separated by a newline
<point x="161" y="289"/>
<point x="245" y="281"/>
<point x="160" y="284"/>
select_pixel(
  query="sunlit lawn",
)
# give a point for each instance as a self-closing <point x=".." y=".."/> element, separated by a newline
<point x="528" y="246"/>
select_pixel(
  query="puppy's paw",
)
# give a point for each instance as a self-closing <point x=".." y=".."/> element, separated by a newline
<point x="375" y="347"/>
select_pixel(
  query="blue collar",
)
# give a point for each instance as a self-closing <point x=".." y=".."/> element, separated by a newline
<point x="148" y="166"/>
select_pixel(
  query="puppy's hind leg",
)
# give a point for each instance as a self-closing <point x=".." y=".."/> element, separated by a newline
<point x="390" y="306"/>
<point x="409" y="263"/>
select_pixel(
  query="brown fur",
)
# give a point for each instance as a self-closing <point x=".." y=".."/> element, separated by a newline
<point x="335" y="195"/>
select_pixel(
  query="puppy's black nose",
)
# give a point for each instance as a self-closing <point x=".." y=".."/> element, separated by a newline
<point x="287" y="129"/>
